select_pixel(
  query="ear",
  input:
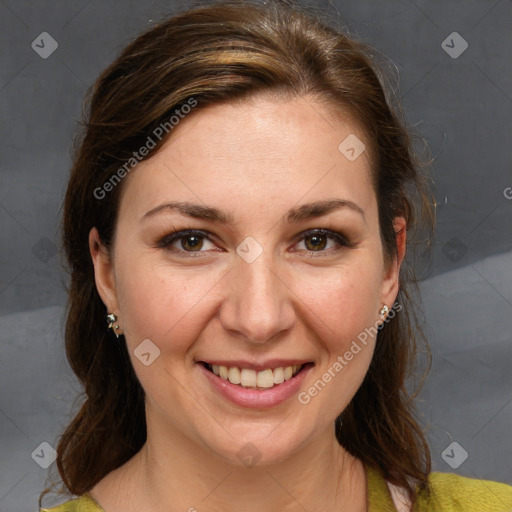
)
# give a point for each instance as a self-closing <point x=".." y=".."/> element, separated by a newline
<point x="103" y="272"/>
<point x="390" y="283"/>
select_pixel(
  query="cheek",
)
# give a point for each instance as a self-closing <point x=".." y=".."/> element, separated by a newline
<point x="343" y="311"/>
<point x="344" y="300"/>
<point x="167" y="307"/>
<point x="162" y="305"/>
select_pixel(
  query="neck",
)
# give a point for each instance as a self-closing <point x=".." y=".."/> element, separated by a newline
<point x="172" y="472"/>
<point x="181" y="474"/>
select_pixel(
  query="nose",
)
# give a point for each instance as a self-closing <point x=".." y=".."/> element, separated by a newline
<point x="258" y="304"/>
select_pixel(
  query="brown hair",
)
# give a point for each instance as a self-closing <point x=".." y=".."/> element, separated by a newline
<point x="213" y="54"/>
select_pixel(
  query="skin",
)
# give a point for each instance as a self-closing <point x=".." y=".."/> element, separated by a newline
<point x="256" y="159"/>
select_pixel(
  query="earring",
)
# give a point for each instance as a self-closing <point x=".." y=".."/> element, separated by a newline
<point x="112" y="319"/>
<point x="383" y="313"/>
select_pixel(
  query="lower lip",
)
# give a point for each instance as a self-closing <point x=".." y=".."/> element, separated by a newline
<point x="254" y="398"/>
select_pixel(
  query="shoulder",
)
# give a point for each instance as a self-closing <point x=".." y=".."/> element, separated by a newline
<point x="83" y="504"/>
<point x="454" y="493"/>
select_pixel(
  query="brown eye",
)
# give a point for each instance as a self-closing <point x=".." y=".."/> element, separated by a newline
<point x="186" y="241"/>
<point x="315" y="242"/>
<point x="191" y="242"/>
<point x="323" y="241"/>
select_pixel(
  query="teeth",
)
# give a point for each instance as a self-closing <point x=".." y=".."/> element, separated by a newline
<point x="278" y="375"/>
<point x="223" y="372"/>
<point x="234" y="375"/>
<point x="252" y="379"/>
<point x="265" y="379"/>
<point x="247" y="378"/>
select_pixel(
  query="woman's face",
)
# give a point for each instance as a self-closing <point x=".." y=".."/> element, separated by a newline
<point x="254" y="288"/>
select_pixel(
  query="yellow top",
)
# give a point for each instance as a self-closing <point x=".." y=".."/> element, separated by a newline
<point x="450" y="493"/>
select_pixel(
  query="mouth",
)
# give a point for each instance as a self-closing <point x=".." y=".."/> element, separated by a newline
<point x="250" y="378"/>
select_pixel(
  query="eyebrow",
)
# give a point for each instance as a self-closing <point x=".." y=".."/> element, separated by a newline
<point x="297" y="214"/>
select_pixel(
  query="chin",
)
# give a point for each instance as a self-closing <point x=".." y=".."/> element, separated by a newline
<point x="252" y="447"/>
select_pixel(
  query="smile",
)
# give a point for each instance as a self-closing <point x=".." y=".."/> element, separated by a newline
<point x="261" y="386"/>
<point x="252" y="379"/>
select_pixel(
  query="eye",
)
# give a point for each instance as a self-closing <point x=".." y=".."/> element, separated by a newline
<point x="189" y="240"/>
<point x="195" y="242"/>
<point x="321" y="240"/>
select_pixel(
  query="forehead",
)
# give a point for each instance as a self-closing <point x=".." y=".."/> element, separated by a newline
<point x="262" y="149"/>
<point x="266" y="127"/>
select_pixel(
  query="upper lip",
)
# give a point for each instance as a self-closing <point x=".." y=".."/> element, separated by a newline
<point x="257" y="366"/>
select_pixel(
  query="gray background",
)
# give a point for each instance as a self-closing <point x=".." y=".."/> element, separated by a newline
<point x="461" y="105"/>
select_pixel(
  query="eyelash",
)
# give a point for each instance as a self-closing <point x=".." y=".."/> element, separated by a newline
<point x="170" y="238"/>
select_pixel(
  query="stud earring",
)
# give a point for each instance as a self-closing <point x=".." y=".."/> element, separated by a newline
<point x="112" y="319"/>
<point x="383" y="313"/>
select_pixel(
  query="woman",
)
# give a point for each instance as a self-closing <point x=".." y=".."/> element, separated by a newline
<point x="238" y="211"/>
